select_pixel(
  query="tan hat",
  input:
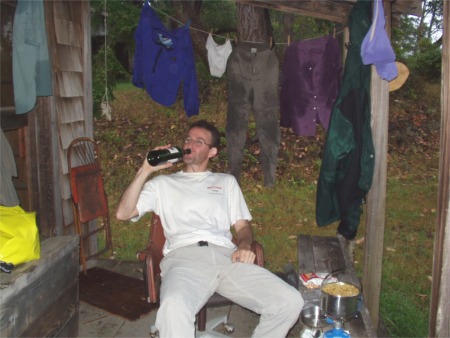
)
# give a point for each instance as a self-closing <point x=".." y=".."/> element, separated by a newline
<point x="403" y="73"/>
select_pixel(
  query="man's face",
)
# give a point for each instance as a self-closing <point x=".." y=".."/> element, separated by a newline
<point x="199" y="141"/>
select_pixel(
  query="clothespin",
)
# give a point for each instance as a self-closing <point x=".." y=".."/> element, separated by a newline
<point x="334" y="32"/>
<point x="270" y="42"/>
<point x="289" y="40"/>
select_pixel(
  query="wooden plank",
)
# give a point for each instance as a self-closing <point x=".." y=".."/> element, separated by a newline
<point x="376" y="198"/>
<point x="67" y="32"/>
<point x="43" y="164"/>
<point x="410" y="7"/>
<point x="328" y="251"/>
<point x="56" y="315"/>
<point x="68" y="217"/>
<point x="38" y="288"/>
<point x="322" y="260"/>
<point x="439" y="322"/>
<point x="70" y="328"/>
<point x="69" y="58"/>
<point x="85" y="9"/>
<point x="69" y="84"/>
<point x="69" y="109"/>
<point x="62" y="9"/>
<point x="332" y="10"/>
<point x="305" y="254"/>
<point x="360" y="326"/>
<point x="328" y="254"/>
<point x="327" y="10"/>
<point x="65" y="189"/>
<point x="69" y="132"/>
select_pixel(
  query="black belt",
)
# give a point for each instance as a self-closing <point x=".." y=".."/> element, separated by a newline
<point x="202" y="243"/>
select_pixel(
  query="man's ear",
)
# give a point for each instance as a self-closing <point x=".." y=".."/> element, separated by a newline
<point x="212" y="152"/>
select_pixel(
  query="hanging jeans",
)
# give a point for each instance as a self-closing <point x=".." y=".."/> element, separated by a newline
<point x="253" y="79"/>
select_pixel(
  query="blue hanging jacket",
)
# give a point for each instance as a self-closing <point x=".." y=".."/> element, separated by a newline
<point x="163" y="61"/>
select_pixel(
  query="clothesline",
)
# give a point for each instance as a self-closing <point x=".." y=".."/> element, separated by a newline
<point x="221" y="36"/>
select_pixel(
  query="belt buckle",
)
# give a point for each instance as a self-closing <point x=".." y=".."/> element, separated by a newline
<point x="202" y="243"/>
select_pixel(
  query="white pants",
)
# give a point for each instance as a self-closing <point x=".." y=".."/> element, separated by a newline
<point x="190" y="275"/>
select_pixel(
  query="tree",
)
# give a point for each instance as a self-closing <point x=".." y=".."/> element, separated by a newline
<point x="413" y="40"/>
<point x="404" y="37"/>
<point x="253" y="23"/>
<point x="434" y="11"/>
<point x="204" y="16"/>
<point x="113" y="26"/>
<point x="186" y="11"/>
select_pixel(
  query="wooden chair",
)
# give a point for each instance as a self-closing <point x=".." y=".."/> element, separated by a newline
<point x="89" y="200"/>
<point x="152" y="256"/>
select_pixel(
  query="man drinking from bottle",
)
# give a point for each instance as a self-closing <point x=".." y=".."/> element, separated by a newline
<point x="197" y="209"/>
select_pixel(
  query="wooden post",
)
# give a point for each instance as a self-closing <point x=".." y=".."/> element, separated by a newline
<point x="376" y="199"/>
<point x="439" y="322"/>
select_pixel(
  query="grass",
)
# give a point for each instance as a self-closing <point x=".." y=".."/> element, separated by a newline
<point x="407" y="260"/>
<point x="280" y="214"/>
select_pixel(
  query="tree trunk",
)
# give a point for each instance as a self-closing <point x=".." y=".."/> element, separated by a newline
<point x="190" y="10"/>
<point x="253" y="23"/>
<point x="420" y="26"/>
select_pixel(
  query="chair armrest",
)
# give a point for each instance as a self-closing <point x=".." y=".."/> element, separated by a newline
<point x="258" y="249"/>
<point x="152" y="258"/>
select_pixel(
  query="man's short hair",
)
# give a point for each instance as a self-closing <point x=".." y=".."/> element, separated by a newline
<point x="215" y="142"/>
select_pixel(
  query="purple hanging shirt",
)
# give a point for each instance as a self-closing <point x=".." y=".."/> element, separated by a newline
<point x="310" y="83"/>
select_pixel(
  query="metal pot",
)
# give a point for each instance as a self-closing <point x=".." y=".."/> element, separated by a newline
<point x="313" y="316"/>
<point x="340" y="307"/>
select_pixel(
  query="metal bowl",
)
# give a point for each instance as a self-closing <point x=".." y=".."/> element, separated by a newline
<point x="313" y="316"/>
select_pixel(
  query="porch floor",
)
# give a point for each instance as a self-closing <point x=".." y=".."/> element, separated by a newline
<point x="95" y="322"/>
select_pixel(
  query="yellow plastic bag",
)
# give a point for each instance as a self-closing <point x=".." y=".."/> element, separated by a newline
<point x="19" y="236"/>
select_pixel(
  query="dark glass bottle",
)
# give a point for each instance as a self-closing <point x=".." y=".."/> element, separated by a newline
<point x="156" y="157"/>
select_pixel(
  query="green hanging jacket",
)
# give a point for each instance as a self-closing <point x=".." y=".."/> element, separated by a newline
<point x="348" y="161"/>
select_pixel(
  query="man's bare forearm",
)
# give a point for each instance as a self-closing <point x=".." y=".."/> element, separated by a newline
<point x="126" y="208"/>
<point x="244" y="238"/>
<point x="244" y="235"/>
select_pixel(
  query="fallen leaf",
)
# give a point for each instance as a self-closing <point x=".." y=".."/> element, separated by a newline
<point x="421" y="295"/>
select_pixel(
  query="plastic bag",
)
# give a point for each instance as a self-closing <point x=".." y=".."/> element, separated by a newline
<point x="19" y="236"/>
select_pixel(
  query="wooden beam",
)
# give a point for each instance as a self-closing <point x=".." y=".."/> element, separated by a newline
<point x="336" y="11"/>
<point x="410" y="7"/>
<point x="332" y="10"/>
<point x="439" y="322"/>
<point x="376" y="199"/>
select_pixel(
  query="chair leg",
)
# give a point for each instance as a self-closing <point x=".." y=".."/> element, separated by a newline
<point x="201" y="319"/>
<point x="206" y="329"/>
<point x="78" y="230"/>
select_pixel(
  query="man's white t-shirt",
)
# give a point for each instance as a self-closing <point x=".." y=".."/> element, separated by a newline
<point x="194" y="207"/>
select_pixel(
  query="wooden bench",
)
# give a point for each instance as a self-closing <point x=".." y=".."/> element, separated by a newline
<point x="319" y="254"/>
